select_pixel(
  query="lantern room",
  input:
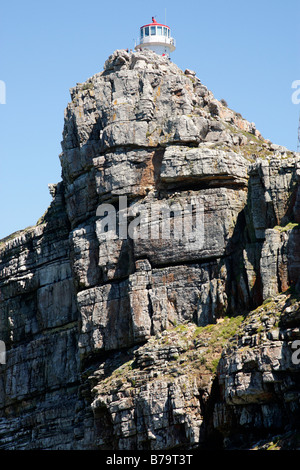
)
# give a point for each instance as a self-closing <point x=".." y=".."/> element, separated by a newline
<point x="157" y="37"/>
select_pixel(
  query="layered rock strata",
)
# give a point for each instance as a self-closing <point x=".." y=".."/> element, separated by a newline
<point x="89" y="321"/>
<point x="258" y="375"/>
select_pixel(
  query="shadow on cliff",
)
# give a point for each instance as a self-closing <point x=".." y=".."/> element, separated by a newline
<point x="244" y="288"/>
<point x="293" y="259"/>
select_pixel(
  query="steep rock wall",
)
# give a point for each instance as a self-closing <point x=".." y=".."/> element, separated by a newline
<point x="80" y="312"/>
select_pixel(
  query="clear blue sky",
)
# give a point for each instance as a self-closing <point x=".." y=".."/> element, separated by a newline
<point x="244" y="52"/>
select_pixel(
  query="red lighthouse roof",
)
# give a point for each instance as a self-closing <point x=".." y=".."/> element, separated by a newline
<point x="155" y="23"/>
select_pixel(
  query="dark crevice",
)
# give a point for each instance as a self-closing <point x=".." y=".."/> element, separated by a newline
<point x="185" y="262"/>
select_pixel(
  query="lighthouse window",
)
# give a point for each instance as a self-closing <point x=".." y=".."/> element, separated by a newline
<point x="165" y="32"/>
<point x="147" y="31"/>
<point x="153" y="30"/>
<point x="168" y="33"/>
<point x="159" y="30"/>
<point x="142" y="33"/>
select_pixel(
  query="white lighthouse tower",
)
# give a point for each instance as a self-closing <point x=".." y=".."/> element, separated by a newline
<point x="157" y="37"/>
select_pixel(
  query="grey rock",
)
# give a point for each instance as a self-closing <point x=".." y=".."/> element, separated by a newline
<point x="108" y="338"/>
<point x="258" y="382"/>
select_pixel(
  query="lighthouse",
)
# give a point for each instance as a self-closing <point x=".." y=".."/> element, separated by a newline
<point x="157" y="37"/>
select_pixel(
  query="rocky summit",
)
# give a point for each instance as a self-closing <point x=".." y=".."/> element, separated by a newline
<point x="120" y="340"/>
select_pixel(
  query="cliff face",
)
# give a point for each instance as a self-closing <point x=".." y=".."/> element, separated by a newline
<point x="153" y="342"/>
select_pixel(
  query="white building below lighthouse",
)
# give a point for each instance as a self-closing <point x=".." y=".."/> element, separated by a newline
<point x="157" y="37"/>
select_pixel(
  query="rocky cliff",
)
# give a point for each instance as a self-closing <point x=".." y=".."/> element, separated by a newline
<point x="152" y="342"/>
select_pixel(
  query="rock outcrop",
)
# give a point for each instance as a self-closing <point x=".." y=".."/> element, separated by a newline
<point x="258" y="375"/>
<point x="150" y="341"/>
